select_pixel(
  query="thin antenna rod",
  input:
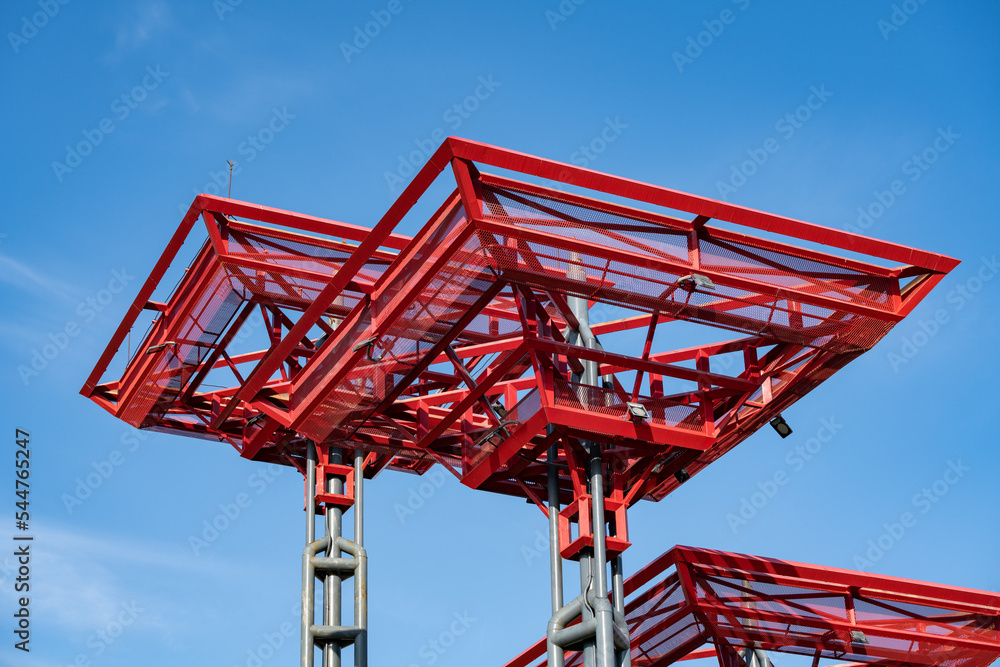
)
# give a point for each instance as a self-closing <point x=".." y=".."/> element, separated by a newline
<point x="229" y="195"/>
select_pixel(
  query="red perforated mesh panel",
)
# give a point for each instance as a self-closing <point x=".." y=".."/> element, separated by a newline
<point x="484" y="443"/>
<point x="624" y="280"/>
<point x="440" y="282"/>
<point x="293" y="271"/>
<point x="171" y="367"/>
<point x="287" y="271"/>
<point x="609" y="402"/>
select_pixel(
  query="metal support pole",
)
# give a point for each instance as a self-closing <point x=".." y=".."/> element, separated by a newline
<point x="555" y="557"/>
<point x="603" y="611"/>
<point x="578" y="306"/>
<point x="361" y="576"/>
<point x="332" y="580"/>
<point x="331" y="635"/>
<point x="308" y="579"/>
<point x="618" y="584"/>
<point x="622" y="658"/>
<point x="588" y="563"/>
<point x="587" y="612"/>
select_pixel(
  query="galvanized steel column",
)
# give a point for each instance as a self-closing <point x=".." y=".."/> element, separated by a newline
<point x="332" y="581"/>
<point x="583" y="336"/>
<point x="361" y="574"/>
<point x="308" y="579"/>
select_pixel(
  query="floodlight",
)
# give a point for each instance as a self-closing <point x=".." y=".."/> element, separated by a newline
<point x="637" y="412"/>
<point x="692" y="281"/>
<point x="363" y="344"/>
<point x="781" y="426"/>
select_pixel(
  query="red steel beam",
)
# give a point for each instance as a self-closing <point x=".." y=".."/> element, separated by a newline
<point x="673" y="199"/>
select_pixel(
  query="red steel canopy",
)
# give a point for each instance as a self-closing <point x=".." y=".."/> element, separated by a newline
<point x="698" y="603"/>
<point x="457" y="346"/>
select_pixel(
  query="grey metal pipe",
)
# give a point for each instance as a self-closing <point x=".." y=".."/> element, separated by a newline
<point x="574" y="633"/>
<point x="345" y="567"/>
<point x="334" y="569"/>
<point x="555" y="557"/>
<point x="361" y="574"/>
<point x="618" y="584"/>
<point x="310" y="487"/>
<point x="332" y="581"/>
<point x="560" y="619"/>
<point x="309" y="597"/>
<point x="308" y="577"/>
<point x="578" y="306"/>
<point x="624" y="658"/>
<point x="603" y="611"/>
<point x="622" y="626"/>
<point x="604" y="649"/>
<point x="620" y="638"/>
<point x="587" y="614"/>
<point x="334" y="634"/>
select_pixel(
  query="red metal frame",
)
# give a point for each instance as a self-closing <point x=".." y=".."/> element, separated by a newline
<point x="697" y="603"/>
<point x="356" y="326"/>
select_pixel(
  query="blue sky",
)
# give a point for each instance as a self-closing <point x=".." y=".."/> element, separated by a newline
<point x="160" y="95"/>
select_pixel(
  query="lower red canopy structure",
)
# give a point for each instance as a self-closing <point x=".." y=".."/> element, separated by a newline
<point x="698" y="603"/>
<point x="510" y="339"/>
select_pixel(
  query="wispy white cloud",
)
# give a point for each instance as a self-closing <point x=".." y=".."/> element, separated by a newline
<point x="249" y="98"/>
<point x="137" y="28"/>
<point x="18" y="274"/>
<point x="81" y="585"/>
<point x="15" y="335"/>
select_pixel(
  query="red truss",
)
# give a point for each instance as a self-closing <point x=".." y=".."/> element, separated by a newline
<point x="696" y="603"/>
<point x="456" y="346"/>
